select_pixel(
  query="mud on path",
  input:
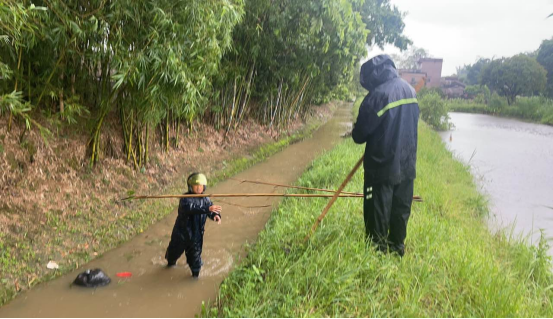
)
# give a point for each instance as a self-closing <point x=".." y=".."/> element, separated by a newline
<point x="157" y="291"/>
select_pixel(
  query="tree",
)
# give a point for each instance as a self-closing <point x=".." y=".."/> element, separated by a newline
<point x="518" y="75"/>
<point x="299" y="51"/>
<point x="545" y="58"/>
<point x="473" y="75"/>
<point x="462" y="72"/>
<point x="410" y="58"/>
<point x="471" y="72"/>
<point x="19" y="29"/>
<point x="150" y="60"/>
<point x="385" y="23"/>
<point x="158" y="62"/>
<point x="479" y="93"/>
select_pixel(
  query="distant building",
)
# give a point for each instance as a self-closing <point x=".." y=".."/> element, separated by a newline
<point x="412" y="76"/>
<point x="429" y="69"/>
<point x="429" y="74"/>
<point x="453" y="87"/>
<point x="433" y="70"/>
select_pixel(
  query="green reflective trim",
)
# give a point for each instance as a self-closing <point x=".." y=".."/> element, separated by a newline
<point x="396" y="104"/>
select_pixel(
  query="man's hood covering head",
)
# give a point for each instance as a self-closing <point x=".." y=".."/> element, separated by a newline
<point x="376" y="71"/>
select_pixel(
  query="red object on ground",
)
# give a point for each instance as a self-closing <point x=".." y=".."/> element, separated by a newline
<point x="124" y="274"/>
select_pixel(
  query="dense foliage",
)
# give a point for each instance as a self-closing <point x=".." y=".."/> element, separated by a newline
<point x="545" y="58"/>
<point x="158" y="63"/>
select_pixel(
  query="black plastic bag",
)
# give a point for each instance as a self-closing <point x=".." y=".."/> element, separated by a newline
<point x="92" y="278"/>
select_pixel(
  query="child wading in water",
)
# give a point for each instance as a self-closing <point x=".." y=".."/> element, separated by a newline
<point x="188" y="232"/>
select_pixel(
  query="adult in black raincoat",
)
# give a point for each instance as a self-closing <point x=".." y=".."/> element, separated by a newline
<point x="188" y="232"/>
<point x="387" y="123"/>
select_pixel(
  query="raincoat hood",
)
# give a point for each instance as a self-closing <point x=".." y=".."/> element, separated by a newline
<point x="376" y="71"/>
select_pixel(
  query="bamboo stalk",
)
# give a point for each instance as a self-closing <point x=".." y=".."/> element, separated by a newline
<point x="61" y="101"/>
<point x="10" y="121"/>
<point x="232" y="110"/>
<point x="124" y="128"/>
<point x="18" y="67"/>
<point x="147" y="159"/>
<point x="129" y="150"/>
<point x="177" y="134"/>
<point x="15" y="89"/>
<point x="140" y="151"/>
<point x="133" y="155"/>
<point x="51" y="75"/>
<point x="246" y="98"/>
<point x="295" y="102"/>
<point x="167" y="133"/>
<point x="334" y="197"/>
<point x="239" y="195"/>
<point x="29" y="84"/>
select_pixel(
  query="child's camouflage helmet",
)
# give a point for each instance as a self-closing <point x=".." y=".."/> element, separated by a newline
<point x="197" y="179"/>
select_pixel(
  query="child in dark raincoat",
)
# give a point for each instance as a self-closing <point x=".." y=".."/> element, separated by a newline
<point x="188" y="232"/>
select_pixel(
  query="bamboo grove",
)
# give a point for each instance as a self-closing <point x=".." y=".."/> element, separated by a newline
<point x="159" y="66"/>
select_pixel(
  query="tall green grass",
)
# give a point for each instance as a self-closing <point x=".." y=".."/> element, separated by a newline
<point x="535" y="108"/>
<point x="453" y="266"/>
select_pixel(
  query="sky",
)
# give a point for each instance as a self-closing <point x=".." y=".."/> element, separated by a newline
<point x="461" y="31"/>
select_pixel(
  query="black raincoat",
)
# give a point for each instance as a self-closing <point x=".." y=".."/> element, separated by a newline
<point x="387" y="123"/>
<point x="188" y="232"/>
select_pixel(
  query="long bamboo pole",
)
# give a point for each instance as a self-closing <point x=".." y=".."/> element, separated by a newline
<point x="415" y="198"/>
<point x="334" y="197"/>
<point x="239" y="195"/>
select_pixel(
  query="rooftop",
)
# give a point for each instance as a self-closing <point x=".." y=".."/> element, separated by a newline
<point x="411" y="71"/>
<point x="430" y="60"/>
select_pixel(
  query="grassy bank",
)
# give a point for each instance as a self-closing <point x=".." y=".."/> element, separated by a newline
<point x="453" y="266"/>
<point x="534" y="109"/>
<point x="77" y="237"/>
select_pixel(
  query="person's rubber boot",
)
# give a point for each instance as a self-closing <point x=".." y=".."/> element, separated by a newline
<point x="398" y="249"/>
<point x="379" y="246"/>
<point x="170" y="263"/>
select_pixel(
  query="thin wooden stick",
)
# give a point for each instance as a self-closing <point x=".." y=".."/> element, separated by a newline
<point x="416" y="198"/>
<point x="333" y="199"/>
<point x="297" y="187"/>
<point x="242" y="206"/>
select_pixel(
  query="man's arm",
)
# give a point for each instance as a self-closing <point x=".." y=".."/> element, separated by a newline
<point x="367" y="122"/>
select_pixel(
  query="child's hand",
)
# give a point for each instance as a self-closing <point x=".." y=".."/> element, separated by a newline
<point x="217" y="219"/>
<point x="215" y="209"/>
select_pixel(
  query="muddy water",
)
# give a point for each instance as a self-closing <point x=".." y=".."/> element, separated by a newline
<point x="513" y="163"/>
<point x="157" y="291"/>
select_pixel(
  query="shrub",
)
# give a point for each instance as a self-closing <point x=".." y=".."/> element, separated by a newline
<point x="434" y="111"/>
